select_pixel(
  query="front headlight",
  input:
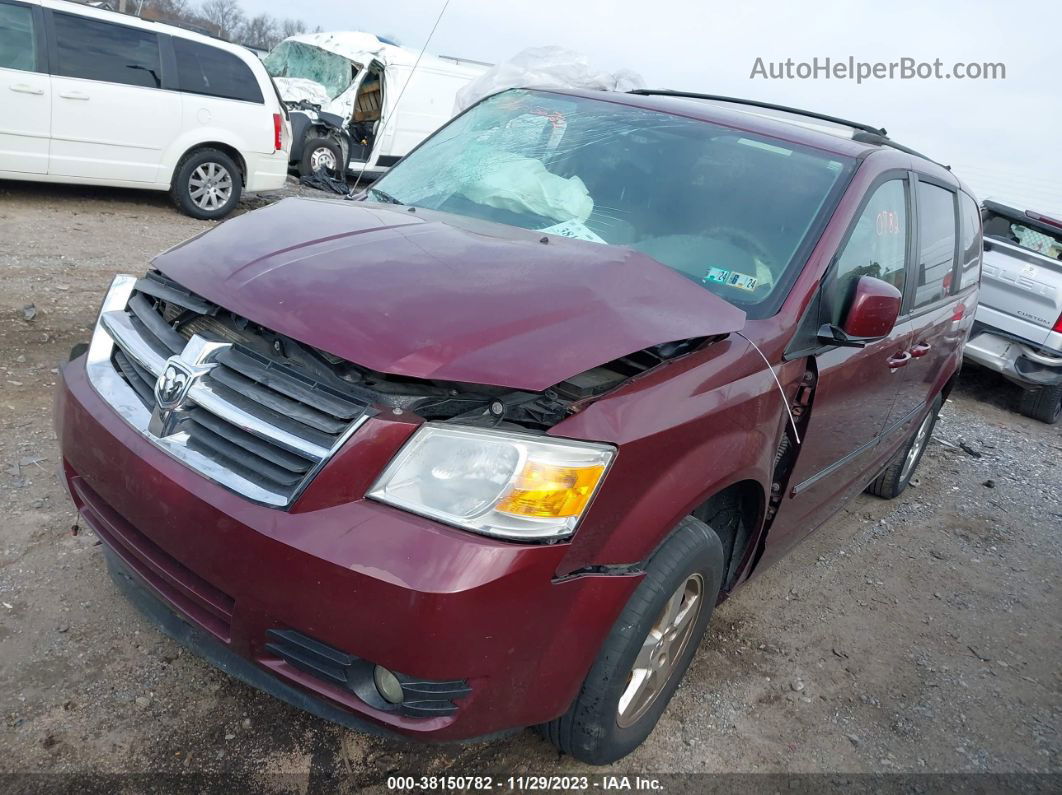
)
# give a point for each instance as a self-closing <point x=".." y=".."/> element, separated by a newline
<point x="498" y="483"/>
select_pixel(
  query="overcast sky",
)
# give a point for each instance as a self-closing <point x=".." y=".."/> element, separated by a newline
<point x="1004" y="137"/>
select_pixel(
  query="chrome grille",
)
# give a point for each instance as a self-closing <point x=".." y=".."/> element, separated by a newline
<point x="248" y="422"/>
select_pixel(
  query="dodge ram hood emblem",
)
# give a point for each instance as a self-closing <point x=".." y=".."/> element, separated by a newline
<point x="176" y="381"/>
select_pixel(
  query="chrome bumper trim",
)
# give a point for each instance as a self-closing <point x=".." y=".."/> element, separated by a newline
<point x="115" y="328"/>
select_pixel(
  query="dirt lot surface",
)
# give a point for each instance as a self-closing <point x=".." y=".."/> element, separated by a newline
<point x="919" y="635"/>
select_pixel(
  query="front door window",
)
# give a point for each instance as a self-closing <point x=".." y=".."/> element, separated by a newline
<point x="877" y="247"/>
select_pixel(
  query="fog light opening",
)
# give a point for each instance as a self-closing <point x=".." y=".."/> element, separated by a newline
<point x="387" y="685"/>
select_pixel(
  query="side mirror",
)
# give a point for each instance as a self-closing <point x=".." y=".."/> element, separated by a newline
<point x="871" y="315"/>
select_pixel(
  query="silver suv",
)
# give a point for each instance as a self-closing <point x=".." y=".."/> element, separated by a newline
<point x="1018" y="329"/>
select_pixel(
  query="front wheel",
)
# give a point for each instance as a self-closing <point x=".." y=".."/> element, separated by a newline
<point x="1044" y="404"/>
<point x="647" y="651"/>
<point x="207" y="185"/>
<point x="321" y="154"/>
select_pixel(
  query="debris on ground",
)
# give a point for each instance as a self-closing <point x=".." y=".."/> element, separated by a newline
<point x="322" y="180"/>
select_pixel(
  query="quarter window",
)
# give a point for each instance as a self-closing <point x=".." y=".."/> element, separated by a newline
<point x="877" y="247"/>
<point x="95" y="50"/>
<point x="18" y="48"/>
<point x="202" y="69"/>
<point x="936" y="248"/>
<point x="971" y="241"/>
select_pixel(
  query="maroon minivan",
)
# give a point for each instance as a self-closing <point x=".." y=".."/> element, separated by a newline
<point x="482" y="447"/>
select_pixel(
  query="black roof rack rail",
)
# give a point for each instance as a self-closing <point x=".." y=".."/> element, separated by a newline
<point x="881" y="140"/>
<point x="667" y="92"/>
<point x="865" y="133"/>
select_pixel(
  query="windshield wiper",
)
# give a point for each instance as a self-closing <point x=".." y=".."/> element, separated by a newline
<point x="387" y="197"/>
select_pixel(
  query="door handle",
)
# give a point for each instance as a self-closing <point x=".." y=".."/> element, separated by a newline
<point x="73" y="95"/>
<point x="22" y="88"/>
<point x="899" y="360"/>
<point x="921" y="349"/>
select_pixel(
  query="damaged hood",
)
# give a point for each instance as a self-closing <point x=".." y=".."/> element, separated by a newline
<point x="434" y="296"/>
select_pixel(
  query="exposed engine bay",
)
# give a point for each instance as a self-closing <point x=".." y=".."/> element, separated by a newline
<point x="477" y="404"/>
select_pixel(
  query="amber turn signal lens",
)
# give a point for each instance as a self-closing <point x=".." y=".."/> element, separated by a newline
<point x="551" y="491"/>
<point x="520" y="486"/>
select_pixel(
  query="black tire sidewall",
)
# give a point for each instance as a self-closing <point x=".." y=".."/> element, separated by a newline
<point x="1045" y="404"/>
<point x="182" y="194"/>
<point x="594" y="734"/>
<point x="891" y="482"/>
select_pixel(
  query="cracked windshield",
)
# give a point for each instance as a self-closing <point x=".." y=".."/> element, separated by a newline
<point x="727" y="209"/>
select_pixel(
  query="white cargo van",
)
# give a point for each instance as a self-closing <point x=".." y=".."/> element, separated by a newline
<point x="101" y="98"/>
<point x="343" y="91"/>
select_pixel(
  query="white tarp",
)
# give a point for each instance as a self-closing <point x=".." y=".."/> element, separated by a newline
<point x="295" y="89"/>
<point x="545" y="67"/>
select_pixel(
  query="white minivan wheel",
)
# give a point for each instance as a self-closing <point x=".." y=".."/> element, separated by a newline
<point x="207" y="184"/>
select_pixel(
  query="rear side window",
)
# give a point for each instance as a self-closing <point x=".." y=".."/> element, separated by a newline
<point x="95" y="50"/>
<point x="202" y="69"/>
<point x="18" y="48"/>
<point x="970" y="242"/>
<point x="936" y="246"/>
<point x="877" y="247"/>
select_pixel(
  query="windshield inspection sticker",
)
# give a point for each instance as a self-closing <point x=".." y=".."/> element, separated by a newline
<point x="574" y="229"/>
<point x="731" y="278"/>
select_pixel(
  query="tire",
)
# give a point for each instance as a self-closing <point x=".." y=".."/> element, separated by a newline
<point x="897" y="475"/>
<point x="724" y="515"/>
<point x="321" y="153"/>
<point x="594" y="730"/>
<point x="77" y="350"/>
<point x="214" y="172"/>
<point x="1044" y="404"/>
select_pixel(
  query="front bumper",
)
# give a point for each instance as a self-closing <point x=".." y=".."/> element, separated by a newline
<point x="1016" y="362"/>
<point x="391" y="588"/>
<point x="218" y="654"/>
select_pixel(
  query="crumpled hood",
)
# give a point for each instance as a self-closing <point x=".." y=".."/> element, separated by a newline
<point x="434" y="296"/>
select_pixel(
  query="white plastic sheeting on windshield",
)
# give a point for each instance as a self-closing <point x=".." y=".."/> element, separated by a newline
<point x="545" y="67"/>
<point x="295" y="89"/>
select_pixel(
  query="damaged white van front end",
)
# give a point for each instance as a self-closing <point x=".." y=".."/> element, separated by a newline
<point x="343" y="89"/>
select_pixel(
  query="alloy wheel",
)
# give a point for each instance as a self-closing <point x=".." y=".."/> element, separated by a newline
<point x="210" y="186"/>
<point x="917" y="446"/>
<point x="661" y="650"/>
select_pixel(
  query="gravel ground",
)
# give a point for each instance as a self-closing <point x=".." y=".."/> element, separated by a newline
<point x="919" y="635"/>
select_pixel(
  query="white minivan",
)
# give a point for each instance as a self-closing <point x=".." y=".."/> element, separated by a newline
<point x="100" y="98"/>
